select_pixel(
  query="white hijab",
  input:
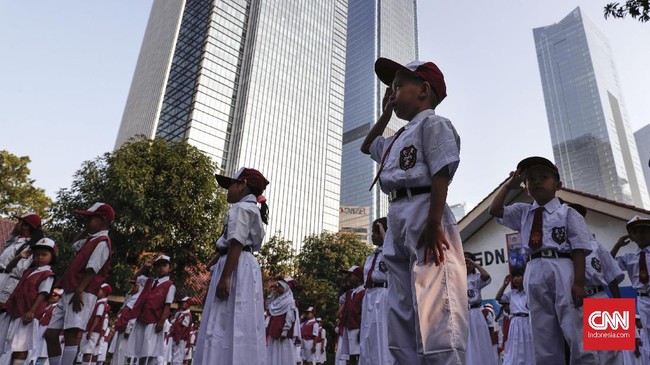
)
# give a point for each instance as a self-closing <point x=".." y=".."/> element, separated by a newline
<point x="284" y="302"/>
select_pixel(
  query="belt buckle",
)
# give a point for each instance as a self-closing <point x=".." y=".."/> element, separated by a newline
<point x="392" y="195"/>
<point x="548" y="253"/>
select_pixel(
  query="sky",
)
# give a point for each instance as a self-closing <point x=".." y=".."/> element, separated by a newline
<point x="67" y="69"/>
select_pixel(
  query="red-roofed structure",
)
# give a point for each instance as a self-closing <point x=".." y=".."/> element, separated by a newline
<point x="6" y="226"/>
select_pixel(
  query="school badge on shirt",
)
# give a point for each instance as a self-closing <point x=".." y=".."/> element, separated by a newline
<point x="408" y="157"/>
<point x="382" y="267"/>
<point x="595" y="263"/>
<point x="559" y="234"/>
<point x="471" y="293"/>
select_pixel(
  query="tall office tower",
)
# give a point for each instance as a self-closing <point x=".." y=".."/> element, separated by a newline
<point x="256" y="83"/>
<point x="642" y="137"/>
<point x="375" y="29"/>
<point x="592" y="141"/>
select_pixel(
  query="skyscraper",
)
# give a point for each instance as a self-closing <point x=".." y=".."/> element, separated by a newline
<point x="642" y="137"/>
<point x="255" y="83"/>
<point x="593" y="144"/>
<point x="375" y="29"/>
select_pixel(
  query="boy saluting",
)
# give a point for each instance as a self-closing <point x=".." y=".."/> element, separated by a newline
<point x="416" y="166"/>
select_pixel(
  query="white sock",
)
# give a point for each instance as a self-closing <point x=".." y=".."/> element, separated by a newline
<point x="55" y="360"/>
<point x="69" y="355"/>
<point x="19" y="362"/>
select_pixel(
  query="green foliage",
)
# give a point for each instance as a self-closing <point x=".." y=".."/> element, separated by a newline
<point x="166" y="201"/>
<point x="18" y="194"/>
<point x="277" y="257"/>
<point x="637" y="9"/>
<point x="324" y="255"/>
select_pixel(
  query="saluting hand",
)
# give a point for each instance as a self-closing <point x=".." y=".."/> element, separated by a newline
<point x="386" y="103"/>
<point x="515" y="180"/>
<point x="623" y="241"/>
<point x="507" y="280"/>
<point x="435" y="243"/>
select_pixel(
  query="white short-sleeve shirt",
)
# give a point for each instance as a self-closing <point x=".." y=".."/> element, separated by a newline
<point x="46" y="285"/>
<point x="474" y="286"/>
<point x="243" y="223"/>
<point x="428" y="144"/>
<point x="601" y="268"/>
<point x="630" y="263"/>
<point x="563" y="230"/>
<point x="11" y="250"/>
<point x="380" y="272"/>
<point x="518" y="301"/>
<point x="100" y="254"/>
<point x="102" y="308"/>
<point x="142" y="281"/>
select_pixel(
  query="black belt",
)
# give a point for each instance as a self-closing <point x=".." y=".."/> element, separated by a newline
<point x="398" y="194"/>
<point x="224" y="251"/>
<point x="3" y="271"/>
<point x="549" y="254"/>
<point x="643" y="294"/>
<point x="521" y="315"/>
<point x="477" y="305"/>
<point x="595" y="290"/>
<point x="375" y="284"/>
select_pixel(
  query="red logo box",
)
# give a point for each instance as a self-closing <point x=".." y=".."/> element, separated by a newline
<point x="608" y="324"/>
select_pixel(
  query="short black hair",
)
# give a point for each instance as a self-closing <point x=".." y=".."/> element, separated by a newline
<point x="517" y="271"/>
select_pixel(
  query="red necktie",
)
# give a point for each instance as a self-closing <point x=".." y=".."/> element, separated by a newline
<point x="643" y="268"/>
<point x="383" y="158"/>
<point x="372" y="268"/>
<point x="536" y="235"/>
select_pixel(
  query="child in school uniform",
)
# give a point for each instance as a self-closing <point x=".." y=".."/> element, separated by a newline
<point x="558" y="241"/>
<point x="374" y="327"/>
<point x="180" y="331"/>
<point x="80" y="283"/>
<point x="232" y="329"/>
<point x="479" y="344"/>
<point x="350" y="314"/>
<point x="282" y="322"/>
<point x="152" y="309"/>
<point x="26" y="304"/>
<point x="427" y="317"/>
<point x="40" y="354"/>
<point x="309" y="332"/>
<point x="636" y="265"/>
<point x="95" y="326"/>
<point x="321" y="343"/>
<point x="124" y="325"/>
<point x="519" y="347"/>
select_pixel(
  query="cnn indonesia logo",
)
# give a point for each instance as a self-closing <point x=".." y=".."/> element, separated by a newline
<point x="609" y="324"/>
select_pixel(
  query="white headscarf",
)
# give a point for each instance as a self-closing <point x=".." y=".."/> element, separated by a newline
<point x="283" y="303"/>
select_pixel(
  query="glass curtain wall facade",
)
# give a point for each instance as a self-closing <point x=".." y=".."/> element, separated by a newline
<point x="376" y="28"/>
<point x="256" y="83"/>
<point x="642" y="137"/>
<point x="593" y="145"/>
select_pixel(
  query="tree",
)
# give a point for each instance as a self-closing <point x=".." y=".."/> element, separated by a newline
<point x="324" y="255"/>
<point x="18" y="194"/>
<point x="637" y="9"/>
<point x="166" y="201"/>
<point x="277" y="257"/>
<point x="319" y="277"/>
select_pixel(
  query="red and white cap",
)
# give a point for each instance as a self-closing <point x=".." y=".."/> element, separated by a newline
<point x="290" y="281"/>
<point x="99" y="209"/>
<point x="637" y="221"/>
<point x="426" y="71"/>
<point x="253" y="178"/>
<point x="33" y="219"/>
<point x="57" y="291"/>
<point x="107" y="289"/>
<point x="162" y="258"/>
<point x="45" y="243"/>
<point x="310" y="310"/>
<point x="185" y="299"/>
<point x="355" y="270"/>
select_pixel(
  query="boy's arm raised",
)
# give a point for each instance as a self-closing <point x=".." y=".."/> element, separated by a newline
<point x="514" y="182"/>
<point x="379" y="127"/>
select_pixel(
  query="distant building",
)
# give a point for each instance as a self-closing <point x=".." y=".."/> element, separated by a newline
<point x="642" y="137"/>
<point x="355" y="219"/>
<point x="251" y="83"/>
<point x="592" y="139"/>
<point x="460" y="210"/>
